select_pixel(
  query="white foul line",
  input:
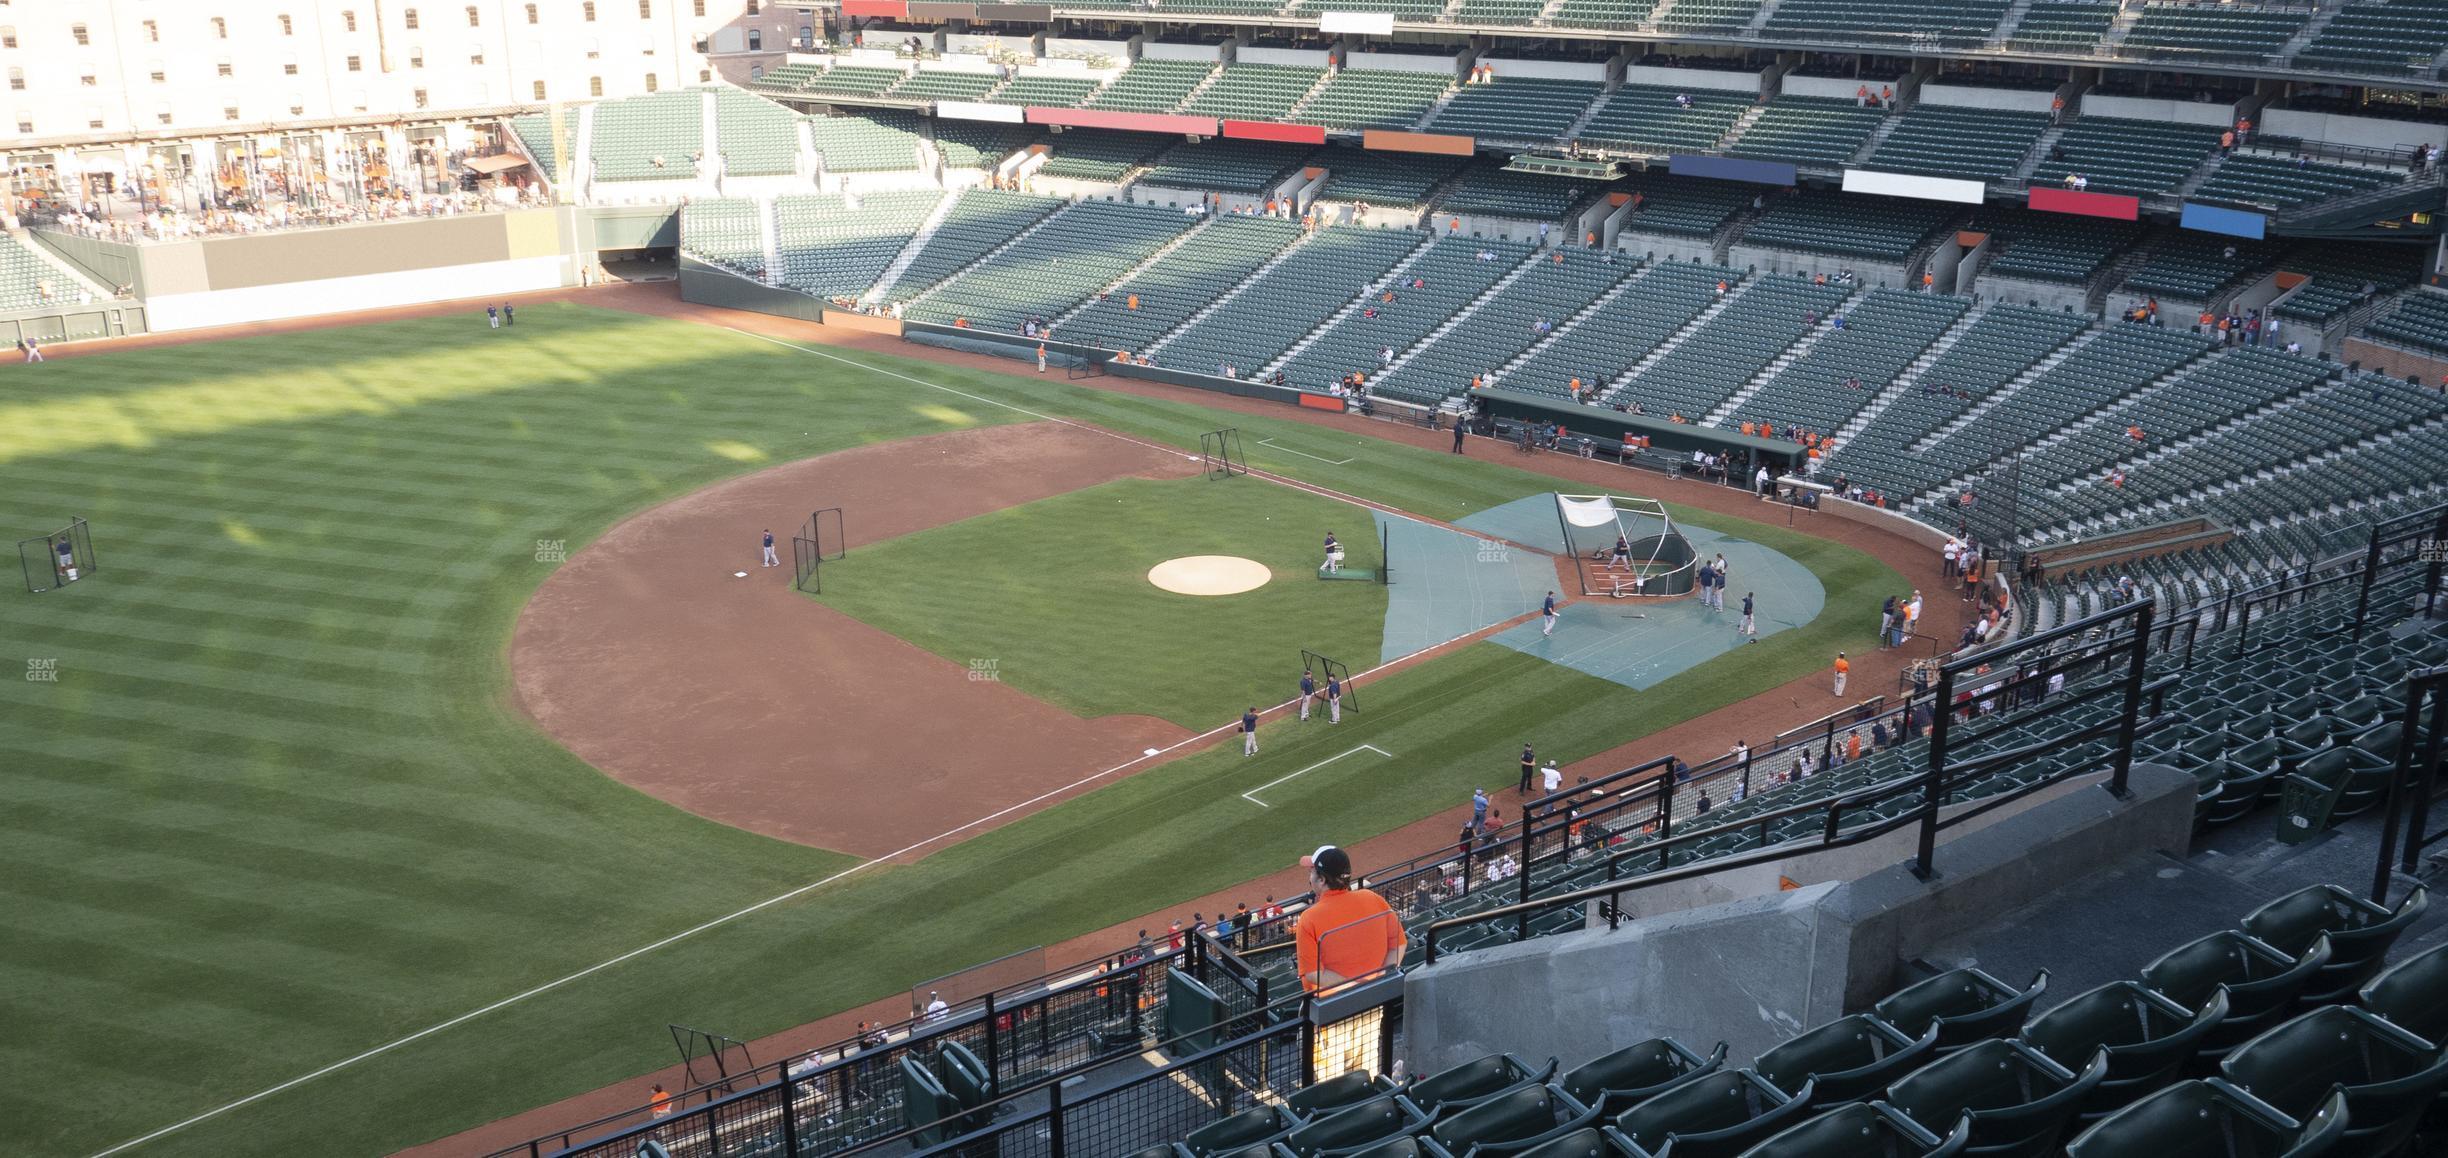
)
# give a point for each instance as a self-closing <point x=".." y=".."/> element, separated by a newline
<point x="1252" y="794"/>
<point x="1269" y="443"/>
<point x="805" y="889"/>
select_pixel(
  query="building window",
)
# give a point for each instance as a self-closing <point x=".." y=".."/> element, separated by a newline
<point x="645" y="9"/>
<point x="162" y="113"/>
<point x="93" y="118"/>
<point x="221" y="66"/>
<point x="807" y="35"/>
<point x="653" y="85"/>
<point x="297" y="108"/>
<point x="228" y="113"/>
<point x="288" y="26"/>
<point x="355" y="63"/>
<point x="476" y="54"/>
<point x="756" y="72"/>
<point x="420" y="98"/>
<point x="475" y="18"/>
<point x="348" y="20"/>
<point x="699" y="8"/>
<point x="289" y="65"/>
<point x="416" y="56"/>
<point x="409" y="16"/>
<point x="17" y="79"/>
<point x="755" y="8"/>
<point x="357" y="99"/>
<point x="594" y="86"/>
<point x="152" y="32"/>
<point x="8" y="36"/>
<point x="587" y="10"/>
<point x="25" y="121"/>
<point x="531" y="14"/>
<point x="87" y="79"/>
<point x="705" y="76"/>
<point x="539" y="90"/>
<point x="78" y="31"/>
<point x="756" y="40"/>
<point x="153" y="70"/>
<point x="220" y="28"/>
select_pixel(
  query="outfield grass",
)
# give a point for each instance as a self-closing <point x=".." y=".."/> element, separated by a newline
<point x="1056" y="593"/>
<point x="276" y="811"/>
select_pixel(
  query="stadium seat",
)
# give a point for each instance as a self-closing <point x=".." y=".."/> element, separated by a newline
<point x="2389" y="1076"/>
<point x="2012" y="1099"/>
<point x="1635" y="1073"/>
<point x="1585" y="1143"/>
<point x="2413" y="994"/>
<point x="1510" y="1122"/>
<point x="1846" y="1059"/>
<point x="1473" y="1082"/>
<point x="2359" y="933"/>
<point x="1355" y="1127"/>
<point x="2210" y="1119"/>
<point x="2146" y="1038"/>
<point x="1346" y="1089"/>
<point x="1258" y="1127"/>
<point x="1966" y="1005"/>
<point x="1862" y="1131"/>
<point x="1715" y="1116"/>
<point x="2261" y="983"/>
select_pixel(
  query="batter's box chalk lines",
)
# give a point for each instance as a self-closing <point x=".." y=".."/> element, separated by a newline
<point x="1270" y="444"/>
<point x="1252" y="794"/>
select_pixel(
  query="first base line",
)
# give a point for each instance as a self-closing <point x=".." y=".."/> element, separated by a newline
<point x="1252" y="794"/>
<point x="1269" y="443"/>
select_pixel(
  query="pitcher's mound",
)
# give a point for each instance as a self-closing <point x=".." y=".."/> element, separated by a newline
<point x="1210" y="575"/>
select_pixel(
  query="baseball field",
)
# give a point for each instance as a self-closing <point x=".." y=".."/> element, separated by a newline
<point x="326" y="836"/>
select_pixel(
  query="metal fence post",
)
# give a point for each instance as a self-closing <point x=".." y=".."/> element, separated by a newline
<point x="994" y="1056"/>
<point x="790" y="1111"/>
<point x="1934" y="786"/>
<point x="1054" y="1121"/>
<point x="2137" y="672"/>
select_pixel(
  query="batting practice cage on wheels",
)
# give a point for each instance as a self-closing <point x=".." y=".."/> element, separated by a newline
<point x="1220" y="453"/>
<point x="818" y="542"/>
<point x="1323" y="667"/>
<point x="1623" y="546"/>
<point x="57" y="559"/>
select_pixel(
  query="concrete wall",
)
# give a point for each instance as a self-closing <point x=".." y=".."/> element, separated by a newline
<point x="1714" y="80"/>
<point x="2149" y="109"/>
<point x="1986" y="98"/>
<point x="1836" y="86"/>
<point x="1292" y="57"/>
<point x="1119" y="50"/>
<point x="2338" y="129"/>
<point x="1210" y="53"/>
<point x="2393" y="361"/>
<point x="110" y="263"/>
<point x="1767" y="260"/>
<point x="1665" y="246"/>
<point x="1753" y="972"/>
<point x="1595" y="71"/>
<point x="1400" y="62"/>
<point x="2047" y="295"/>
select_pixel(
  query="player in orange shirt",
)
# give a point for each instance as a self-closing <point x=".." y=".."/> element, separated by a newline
<point x="1346" y="934"/>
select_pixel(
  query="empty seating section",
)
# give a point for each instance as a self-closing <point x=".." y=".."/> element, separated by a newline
<point x="1504" y="325"/>
<point x="941" y="84"/>
<point x="2422" y="322"/>
<point x="1393" y="180"/>
<point x="852" y="80"/>
<point x="535" y="134"/>
<point x="2114" y="155"/>
<point x="979" y="144"/>
<point x="1954" y="23"/>
<point x="2052" y="246"/>
<point x="1716" y="17"/>
<point x="1490" y="190"/>
<point x="1824" y="131"/>
<point x="2212" y="31"/>
<point x="1648" y="119"/>
<point x="1883" y="333"/>
<point x="1451" y="274"/>
<point x="1603" y="345"/>
<point x="1305" y="288"/>
<point x="828" y="249"/>
<point x="1057" y="92"/>
<point x="1730" y="349"/>
<point x="758" y="138"/>
<point x="1504" y="13"/>
<point x="728" y="231"/>
<point x="1151" y="86"/>
<point x="1099" y="156"/>
<point x="1220" y="256"/>
<point x="1363" y="98"/>
<point x="2067" y="26"/>
<point x="1516" y="108"/>
<point x="862" y="145"/>
<point x="2117" y="361"/>
<point x="1885" y="229"/>
<point x="1663" y="203"/>
<point x="2342" y="276"/>
<point x="1991" y="352"/>
<point x="1603" y="13"/>
<point x="1966" y="143"/>
<point x="1071" y="256"/>
<point x="1228" y="166"/>
<point x="979" y="221"/>
<point x="648" y="138"/>
<point x="2226" y="385"/>
<point x="2193" y="266"/>
<point x="2278" y="182"/>
<point x="2388" y="37"/>
<point x="1255" y="92"/>
<point x="787" y="77"/>
<point x="1402" y="9"/>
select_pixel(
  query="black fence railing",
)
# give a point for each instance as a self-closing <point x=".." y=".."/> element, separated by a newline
<point x="2414" y="781"/>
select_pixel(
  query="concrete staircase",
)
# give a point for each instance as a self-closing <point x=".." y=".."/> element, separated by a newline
<point x="1741" y="125"/>
<point x="2040" y="149"/>
<point x="2321" y="17"/>
<point x="1910" y="377"/>
<point x="1566" y="326"/>
<point x="1368" y="292"/>
<point x="1878" y="136"/>
<point x="1726" y="410"/>
<point x="1233" y="294"/>
<point x="1699" y="321"/>
<point x="2104" y="283"/>
<point x="1528" y="262"/>
<point x="1179" y="240"/>
<point x="1759" y="19"/>
<point x="2012" y="387"/>
<point x="2012" y="20"/>
<point x="1205" y="82"/>
<point x="909" y="253"/>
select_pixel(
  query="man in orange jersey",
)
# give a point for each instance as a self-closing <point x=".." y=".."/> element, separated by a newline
<point x="1346" y="934"/>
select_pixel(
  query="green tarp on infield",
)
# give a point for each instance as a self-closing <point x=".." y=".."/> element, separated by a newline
<point x="1447" y="584"/>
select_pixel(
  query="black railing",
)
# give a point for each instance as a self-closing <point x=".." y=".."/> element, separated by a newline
<point x="2414" y="779"/>
<point x="2418" y="537"/>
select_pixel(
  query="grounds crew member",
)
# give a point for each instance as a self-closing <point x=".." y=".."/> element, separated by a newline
<point x="1346" y="934"/>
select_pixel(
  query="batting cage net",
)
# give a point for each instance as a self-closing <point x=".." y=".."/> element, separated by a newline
<point x="819" y="541"/>
<point x="1220" y="450"/>
<point x="1090" y="366"/>
<point x="1623" y="546"/>
<point x="1346" y="564"/>
<point x="1326" y="669"/>
<point x="57" y="559"/>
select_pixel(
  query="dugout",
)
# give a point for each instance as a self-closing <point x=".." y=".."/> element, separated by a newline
<point x="1610" y="428"/>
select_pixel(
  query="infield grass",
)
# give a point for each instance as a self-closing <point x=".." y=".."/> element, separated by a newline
<point x="274" y="810"/>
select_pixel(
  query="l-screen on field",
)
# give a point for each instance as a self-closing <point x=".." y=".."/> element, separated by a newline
<point x="305" y="782"/>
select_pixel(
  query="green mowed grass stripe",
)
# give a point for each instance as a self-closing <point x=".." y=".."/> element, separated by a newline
<point x="349" y="455"/>
<point x="139" y="671"/>
<point x="1056" y="594"/>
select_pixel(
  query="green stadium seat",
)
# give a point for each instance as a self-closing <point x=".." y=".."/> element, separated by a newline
<point x="1360" y="98"/>
<point x="1053" y="92"/>
<point x="1346" y="1089"/>
<point x="2012" y="1099"/>
<point x="2413" y="994"/>
<point x="1845" y="1060"/>
<point x="2389" y="1076"/>
<point x="1637" y="1072"/>
<point x="757" y="137"/>
<point x="1355" y="1127"/>
<point x="1151" y="85"/>
<point x="2212" y="32"/>
<point x="2073" y="27"/>
<point x="1951" y="23"/>
<point x="2381" y="37"/>
<point x="1054" y="268"/>
<point x="1258" y="1127"/>
<point x="1508" y="1123"/>
<point x="2359" y="933"/>
<point x="1648" y="119"/>
<point x="1516" y="109"/>
<point x="1715" y="1116"/>
<point x="2210" y="1119"/>
<point x="2260" y="982"/>
<point x="1959" y="142"/>
<point x="2147" y="1039"/>
<point x="1466" y="1085"/>
<point x="1255" y="92"/>
<point x="1965" y="1005"/>
<point x="1862" y="1131"/>
<point x="1820" y="131"/>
